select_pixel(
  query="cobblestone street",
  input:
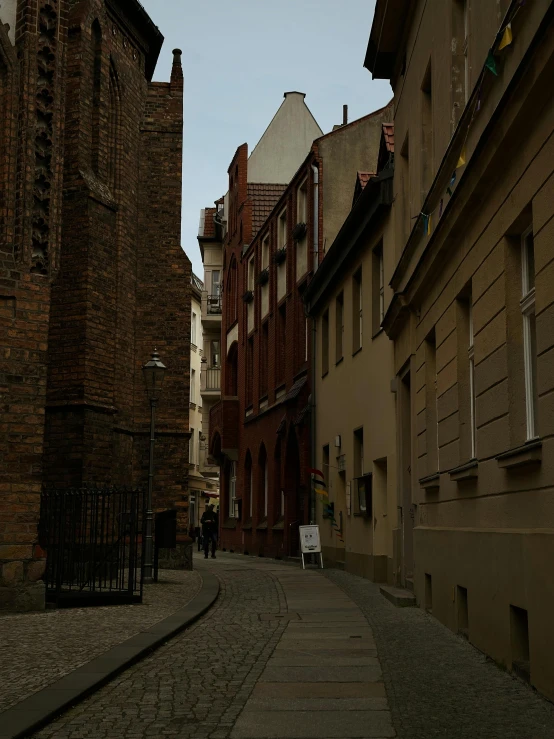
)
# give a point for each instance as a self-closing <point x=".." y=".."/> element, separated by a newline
<point x="291" y="654"/>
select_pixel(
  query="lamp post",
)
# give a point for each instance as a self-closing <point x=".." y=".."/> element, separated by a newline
<point x="154" y="372"/>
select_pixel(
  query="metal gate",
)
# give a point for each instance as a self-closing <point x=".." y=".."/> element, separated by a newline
<point x="94" y="540"/>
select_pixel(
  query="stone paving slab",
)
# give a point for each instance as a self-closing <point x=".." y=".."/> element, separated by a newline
<point x="324" y="674"/>
<point x="315" y="659"/>
<point x="318" y="704"/>
<point x="288" y="691"/>
<point x="312" y="725"/>
<point x="40" y="648"/>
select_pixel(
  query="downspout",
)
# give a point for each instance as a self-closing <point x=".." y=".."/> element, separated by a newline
<point x="315" y="170"/>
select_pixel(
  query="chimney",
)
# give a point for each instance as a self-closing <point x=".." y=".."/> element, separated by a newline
<point x="177" y="72"/>
<point x="344" y="115"/>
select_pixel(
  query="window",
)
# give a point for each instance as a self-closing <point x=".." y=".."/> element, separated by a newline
<point x="198" y="447"/>
<point x="215" y="353"/>
<point x="426" y="133"/>
<point x="191" y="447"/>
<point x="266" y="489"/>
<point x="233" y="507"/>
<point x="471" y="362"/>
<point x="431" y="410"/>
<point x="378" y="289"/>
<point x="96" y="94"/>
<point x="193" y="329"/>
<point x="325" y="343"/>
<point x="249" y="371"/>
<point x="339" y="317"/>
<point x="251" y="502"/>
<point x="264" y="358"/>
<point x="529" y="329"/>
<point x="216" y="283"/>
<point x="251" y="274"/>
<point x="281" y="343"/>
<point x="302" y="203"/>
<point x="193" y="386"/>
<point x="359" y="452"/>
<point x="265" y="252"/>
<point x="357" y="311"/>
<point x="282" y="230"/>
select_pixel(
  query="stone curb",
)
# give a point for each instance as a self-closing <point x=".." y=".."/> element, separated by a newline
<point x="40" y="708"/>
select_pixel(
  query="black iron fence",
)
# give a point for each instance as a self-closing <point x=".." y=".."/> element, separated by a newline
<point x="94" y="540"/>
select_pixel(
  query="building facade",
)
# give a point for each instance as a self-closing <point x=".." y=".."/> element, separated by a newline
<point x="471" y="316"/>
<point x="93" y="275"/>
<point x="252" y="518"/>
<point x="356" y="507"/>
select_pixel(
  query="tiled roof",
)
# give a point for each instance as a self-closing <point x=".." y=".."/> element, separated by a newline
<point x="363" y="178"/>
<point x="209" y="225"/>
<point x="294" y="392"/>
<point x="388" y="134"/>
<point x="264" y="198"/>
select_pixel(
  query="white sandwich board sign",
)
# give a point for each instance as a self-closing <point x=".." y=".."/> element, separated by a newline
<point x="310" y="542"/>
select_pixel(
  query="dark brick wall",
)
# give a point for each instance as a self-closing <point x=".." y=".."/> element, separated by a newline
<point x="92" y="275"/>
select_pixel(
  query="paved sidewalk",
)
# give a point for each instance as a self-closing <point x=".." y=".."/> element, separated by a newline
<point x="38" y="649"/>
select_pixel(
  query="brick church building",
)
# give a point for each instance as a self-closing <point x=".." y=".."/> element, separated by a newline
<point x="92" y="274"/>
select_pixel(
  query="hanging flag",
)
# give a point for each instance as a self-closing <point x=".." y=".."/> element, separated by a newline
<point x="507" y="37"/>
<point x="453" y="179"/>
<point x="449" y="191"/>
<point x="462" y="159"/>
<point x="490" y="64"/>
<point x="314" y="471"/>
<point x="322" y="492"/>
<point x="429" y="224"/>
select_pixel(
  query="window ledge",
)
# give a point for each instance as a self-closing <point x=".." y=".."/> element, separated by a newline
<point x="262" y="526"/>
<point x="279" y="526"/>
<point x="377" y="333"/>
<point x="247" y="525"/>
<point x="230" y="523"/>
<point x="339" y="361"/>
<point x="357" y="351"/>
<point x="430" y="483"/>
<point x="324" y="374"/>
<point x="467" y="471"/>
<point x="528" y="453"/>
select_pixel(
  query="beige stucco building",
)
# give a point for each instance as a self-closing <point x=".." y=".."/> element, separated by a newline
<point x="353" y="435"/>
<point x="472" y="316"/>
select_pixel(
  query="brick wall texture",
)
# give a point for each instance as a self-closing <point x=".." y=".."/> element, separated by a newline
<point x="92" y="274"/>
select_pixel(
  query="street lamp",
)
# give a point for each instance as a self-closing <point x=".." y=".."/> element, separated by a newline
<point x="154" y="373"/>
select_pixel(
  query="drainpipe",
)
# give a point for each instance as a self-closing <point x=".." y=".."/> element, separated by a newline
<point x="315" y="170"/>
<point x="311" y="400"/>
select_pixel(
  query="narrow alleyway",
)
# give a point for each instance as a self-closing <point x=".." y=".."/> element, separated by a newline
<point x="290" y="654"/>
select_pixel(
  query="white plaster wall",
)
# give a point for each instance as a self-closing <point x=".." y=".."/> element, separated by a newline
<point x="285" y="143"/>
<point x="8" y="14"/>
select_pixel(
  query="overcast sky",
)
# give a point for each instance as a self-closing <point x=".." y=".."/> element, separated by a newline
<point x="239" y="58"/>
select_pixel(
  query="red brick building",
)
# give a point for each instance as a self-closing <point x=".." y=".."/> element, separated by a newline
<point x="92" y="272"/>
<point x="260" y="431"/>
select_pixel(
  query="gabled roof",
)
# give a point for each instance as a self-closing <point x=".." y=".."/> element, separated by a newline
<point x="264" y="198"/>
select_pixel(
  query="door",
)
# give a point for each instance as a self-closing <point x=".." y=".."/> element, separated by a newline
<point x="407" y="511"/>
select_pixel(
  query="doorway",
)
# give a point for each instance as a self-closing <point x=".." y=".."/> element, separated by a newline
<point x="407" y="510"/>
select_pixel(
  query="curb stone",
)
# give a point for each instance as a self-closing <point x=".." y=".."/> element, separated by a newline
<point x="39" y="709"/>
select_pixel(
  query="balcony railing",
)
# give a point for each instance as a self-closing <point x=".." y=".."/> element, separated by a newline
<point x="210" y="379"/>
<point x="213" y="305"/>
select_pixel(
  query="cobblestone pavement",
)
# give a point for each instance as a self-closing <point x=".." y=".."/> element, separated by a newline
<point x="36" y="649"/>
<point x="280" y="656"/>
<point x="197" y="684"/>
<point x="437" y="684"/>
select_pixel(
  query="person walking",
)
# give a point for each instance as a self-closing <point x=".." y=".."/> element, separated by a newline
<point x="209" y="530"/>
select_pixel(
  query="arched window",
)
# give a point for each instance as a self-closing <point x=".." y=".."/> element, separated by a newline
<point x="113" y="128"/>
<point x="279" y="493"/>
<point x="263" y="498"/>
<point x="96" y="33"/>
<point x="233" y="507"/>
<point x="231" y="372"/>
<point x="248" y="487"/>
<point x="231" y="291"/>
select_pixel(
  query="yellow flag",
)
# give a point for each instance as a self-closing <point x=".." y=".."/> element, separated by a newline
<point x="429" y="225"/>
<point x="507" y="37"/>
<point x="462" y="159"/>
